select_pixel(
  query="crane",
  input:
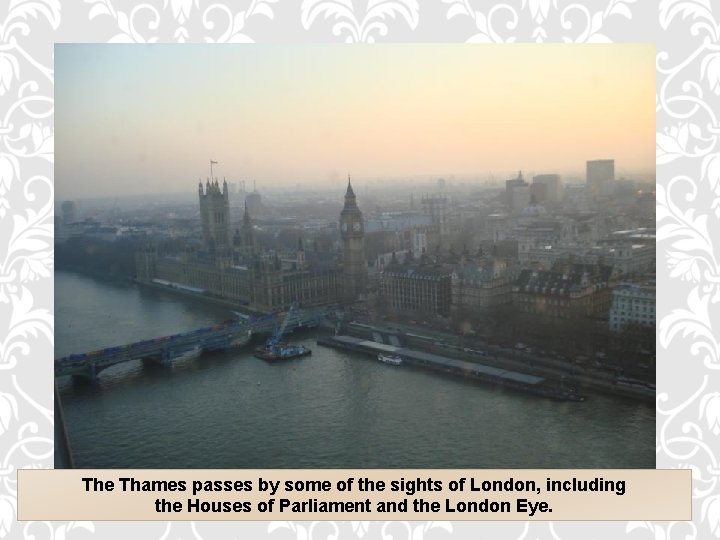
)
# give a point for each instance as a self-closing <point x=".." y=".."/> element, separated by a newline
<point x="274" y="340"/>
<point x="276" y="350"/>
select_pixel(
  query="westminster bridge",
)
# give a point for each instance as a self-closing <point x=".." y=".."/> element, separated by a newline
<point x="164" y="350"/>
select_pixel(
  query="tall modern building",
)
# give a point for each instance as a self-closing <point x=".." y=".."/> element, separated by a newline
<point x="551" y="184"/>
<point x="352" y="238"/>
<point x="517" y="193"/>
<point x="215" y="215"/>
<point x="600" y="176"/>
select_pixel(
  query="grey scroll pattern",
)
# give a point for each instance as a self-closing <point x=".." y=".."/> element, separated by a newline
<point x="687" y="34"/>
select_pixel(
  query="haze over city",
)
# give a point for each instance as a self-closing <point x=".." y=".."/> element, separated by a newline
<point x="148" y="118"/>
<point x="409" y="256"/>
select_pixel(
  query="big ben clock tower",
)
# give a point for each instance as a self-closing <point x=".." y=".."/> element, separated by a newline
<point x="352" y="237"/>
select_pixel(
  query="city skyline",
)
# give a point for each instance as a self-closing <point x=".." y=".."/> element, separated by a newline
<point x="149" y="118"/>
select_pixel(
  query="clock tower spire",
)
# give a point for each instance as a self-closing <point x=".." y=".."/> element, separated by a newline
<point x="352" y="238"/>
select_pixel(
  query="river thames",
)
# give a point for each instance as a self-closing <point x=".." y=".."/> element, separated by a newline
<point x="333" y="409"/>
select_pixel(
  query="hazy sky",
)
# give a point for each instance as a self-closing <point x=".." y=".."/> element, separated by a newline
<point x="132" y="119"/>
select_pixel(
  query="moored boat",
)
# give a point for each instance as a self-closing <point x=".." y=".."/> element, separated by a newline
<point x="282" y="351"/>
<point x="186" y="355"/>
<point x="390" y="359"/>
<point x="275" y="349"/>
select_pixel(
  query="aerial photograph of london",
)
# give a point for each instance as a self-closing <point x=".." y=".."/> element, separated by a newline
<point x="340" y="256"/>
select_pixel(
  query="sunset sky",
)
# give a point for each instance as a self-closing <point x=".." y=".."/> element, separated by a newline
<point x="132" y="119"/>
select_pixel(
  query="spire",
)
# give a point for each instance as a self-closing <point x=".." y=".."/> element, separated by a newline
<point x="349" y="192"/>
<point x="246" y="216"/>
<point x="350" y="200"/>
<point x="247" y="236"/>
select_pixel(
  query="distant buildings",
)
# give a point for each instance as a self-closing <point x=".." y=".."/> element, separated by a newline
<point x="498" y="227"/>
<point x="398" y="222"/>
<point x="254" y="203"/>
<point x="436" y="207"/>
<point x="625" y="259"/>
<point x="546" y="188"/>
<point x="575" y="197"/>
<point x="419" y="243"/>
<point x="631" y="251"/>
<point x="517" y="194"/>
<point x="563" y="267"/>
<point x="540" y="234"/>
<point x="600" y="177"/>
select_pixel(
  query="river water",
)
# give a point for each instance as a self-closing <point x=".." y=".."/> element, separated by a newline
<point x="331" y="410"/>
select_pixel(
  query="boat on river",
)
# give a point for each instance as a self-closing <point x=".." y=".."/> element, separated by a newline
<point x="282" y="351"/>
<point x="390" y="359"/>
<point x="275" y="349"/>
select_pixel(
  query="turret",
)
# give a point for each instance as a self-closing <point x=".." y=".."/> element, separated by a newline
<point x="215" y="216"/>
<point x="300" y="255"/>
<point x="247" y="235"/>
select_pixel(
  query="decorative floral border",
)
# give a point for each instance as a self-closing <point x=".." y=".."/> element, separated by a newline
<point x="688" y="212"/>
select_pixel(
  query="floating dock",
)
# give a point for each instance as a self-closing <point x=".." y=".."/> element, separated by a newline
<point x="512" y="379"/>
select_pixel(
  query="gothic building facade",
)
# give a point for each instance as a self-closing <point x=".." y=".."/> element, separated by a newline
<point x="234" y="268"/>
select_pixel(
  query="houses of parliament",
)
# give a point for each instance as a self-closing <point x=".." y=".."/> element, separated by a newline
<point x="231" y="266"/>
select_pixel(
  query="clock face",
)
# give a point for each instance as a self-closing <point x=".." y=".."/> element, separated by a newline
<point x="344" y="227"/>
<point x="357" y="226"/>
